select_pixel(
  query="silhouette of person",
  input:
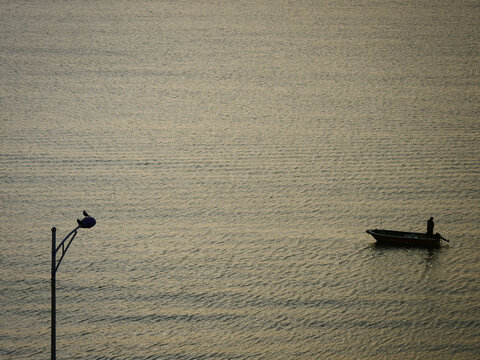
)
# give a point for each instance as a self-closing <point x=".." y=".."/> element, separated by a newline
<point x="430" y="226"/>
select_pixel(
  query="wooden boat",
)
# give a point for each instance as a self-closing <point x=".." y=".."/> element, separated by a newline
<point x="406" y="238"/>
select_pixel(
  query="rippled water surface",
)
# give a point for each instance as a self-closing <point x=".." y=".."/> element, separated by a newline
<point x="233" y="154"/>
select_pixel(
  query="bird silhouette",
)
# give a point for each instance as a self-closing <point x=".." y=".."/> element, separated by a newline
<point x="85" y="213"/>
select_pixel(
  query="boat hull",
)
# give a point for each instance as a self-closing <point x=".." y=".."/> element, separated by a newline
<point x="405" y="238"/>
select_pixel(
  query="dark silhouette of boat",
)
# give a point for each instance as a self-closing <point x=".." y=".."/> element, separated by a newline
<point x="406" y="238"/>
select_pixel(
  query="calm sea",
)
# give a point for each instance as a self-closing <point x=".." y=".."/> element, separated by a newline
<point x="233" y="154"/>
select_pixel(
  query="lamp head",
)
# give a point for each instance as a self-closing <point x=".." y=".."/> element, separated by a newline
<point x="87" y="222"/>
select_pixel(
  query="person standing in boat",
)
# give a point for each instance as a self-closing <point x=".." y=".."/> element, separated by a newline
<point x="430" y="226"/>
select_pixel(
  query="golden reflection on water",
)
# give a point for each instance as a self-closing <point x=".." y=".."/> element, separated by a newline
<point x="233" y="155"/>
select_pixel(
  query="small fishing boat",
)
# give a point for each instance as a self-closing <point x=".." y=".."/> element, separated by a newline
<point x="406" y="238"/>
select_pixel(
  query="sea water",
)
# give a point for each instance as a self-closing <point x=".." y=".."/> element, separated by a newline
<point x="233" y="154"/>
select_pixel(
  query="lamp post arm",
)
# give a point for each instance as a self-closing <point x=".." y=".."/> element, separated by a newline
<point x="63" y="247"/>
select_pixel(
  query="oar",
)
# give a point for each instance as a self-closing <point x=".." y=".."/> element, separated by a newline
<point x="441" y="237"/>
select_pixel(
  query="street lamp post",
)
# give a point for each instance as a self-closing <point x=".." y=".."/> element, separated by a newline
<point x="86" y="223"/>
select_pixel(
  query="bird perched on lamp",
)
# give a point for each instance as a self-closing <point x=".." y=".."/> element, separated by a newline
<point x="87" y="221"/>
